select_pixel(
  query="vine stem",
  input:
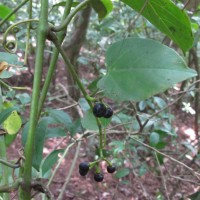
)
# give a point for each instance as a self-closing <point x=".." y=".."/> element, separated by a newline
<point x="70" y="16"/>
<point x="13" y="11"/>
<point x="29" y="10"/>
<point x="5" y="162"/>
<point x="10" y="28"/>
<point x="72" y="71"/>
<point x="42" y="34"/>
<point x="54" y="58"/>
<point x="4" y="168"/>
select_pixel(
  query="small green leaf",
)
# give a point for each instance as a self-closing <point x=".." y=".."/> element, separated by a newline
<point x="9" y="139"/>
<point x="50" y="160"/>
<point x="140" y="68"/>
<point x="89" y="121"/>
<point x="102" y="7"/>
<point x="13" y="123"/>
<point x="143" y="170"/>
<point x="168" y="18"/>
<point x="6" y="74"/>
<point x="61" y="117"/>
<point x="5" y="11"/>
<point x="10" y="58"/>
<point x="122" y="173"/>
<point x="190" y="147"/>
<point x="40" y="133"/>
<point x="154" y="138"/>
<point x="5" y="114"/>
<point x="118" y="146"/>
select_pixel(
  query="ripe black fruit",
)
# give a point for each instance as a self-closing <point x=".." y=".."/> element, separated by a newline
<point x="99" y="109"/>
<point x="111" y="169"/>
<point x="82" y="173"/>
<point x="83" y="168"/>
<point x="98" y="177"/>
<point x="109" y="113"/>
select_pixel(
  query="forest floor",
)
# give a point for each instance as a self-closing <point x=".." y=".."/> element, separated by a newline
<point x="145" y="187"/>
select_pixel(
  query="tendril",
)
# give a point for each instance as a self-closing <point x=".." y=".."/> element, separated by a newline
<point x="11" y="45"/>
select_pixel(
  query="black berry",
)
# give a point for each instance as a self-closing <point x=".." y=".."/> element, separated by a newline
<point x="109" y="113"/>
<point x="83" y="168"/>
<point x="111" y="169"/>
<point x="99" y="109"/>
<point x="98" y="177"/>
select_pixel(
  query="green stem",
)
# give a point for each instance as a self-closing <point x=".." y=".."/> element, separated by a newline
<point x="4" y="168"/>
<point x="10" y="187"/>
<point x="5" y="162"/>
<point x="70" y="67"/>
<point x="14" y="11"/>
<point x="10" y="88"/>
<point x="80" y="85"/>
<point x="28" y="32"/>
<point x="42" y="34"/>
<point x="70" y="16"/>
<point x="61" y="36"/>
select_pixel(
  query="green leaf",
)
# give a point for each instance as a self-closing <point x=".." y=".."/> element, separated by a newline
<point x="40" y="133"/>
<point x="122" y="173"/>
<point x="5" y="114"/>
<point x="119" y="146"/>
<point x="9" y="139"/>
<point x="50" y="160"/>
<point x="9" y="58"/>
<point x="6" y="74"/>
<point x="13" y="123"/>
<point x="61" y="117"/>
<point x="5" y="11"/>
<point x="143" y="169"/>
<point x="140" y="68"/>
<point x="194" y="196"/>
<point x="102" y="7"/>
<point x="154" y="138"/>
<point x="168" y="18"/>
<point x="190" y="147"/>
<point x="89" y="121"/>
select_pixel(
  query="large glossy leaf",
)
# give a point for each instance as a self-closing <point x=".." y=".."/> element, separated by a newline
<point x="140" y="68"/>
<point x="168" y="18"/>
<point x="102" y="7"/>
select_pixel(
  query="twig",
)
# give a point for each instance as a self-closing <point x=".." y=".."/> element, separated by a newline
<point x="162" y="176"/>
<point x="60" y="197"/>
<point x="167" y="106"/>
<point x="171" y="158"/>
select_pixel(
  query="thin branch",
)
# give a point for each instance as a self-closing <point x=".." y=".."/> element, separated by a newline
<point x="162" y="176"/>
<point x="169" y="157"/>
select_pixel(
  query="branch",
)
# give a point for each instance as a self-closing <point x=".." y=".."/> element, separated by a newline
<point x="169" y="157"/>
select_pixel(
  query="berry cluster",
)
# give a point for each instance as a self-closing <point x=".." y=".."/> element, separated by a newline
<point x="100" y="110"/>
<point x="98" y="177"/>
